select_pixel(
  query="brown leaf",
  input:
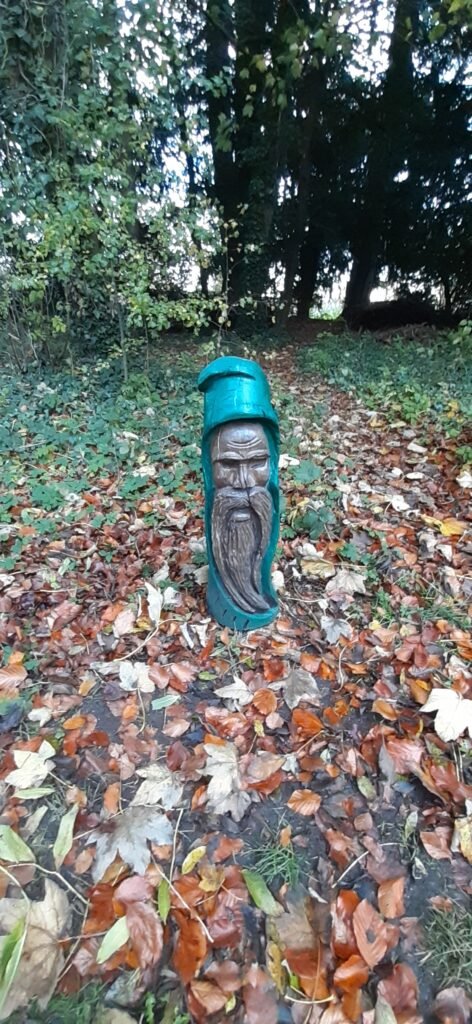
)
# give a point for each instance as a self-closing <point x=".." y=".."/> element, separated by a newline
<point x="453" y="1006"/>
<point x="437" y="843"/>
<point x="146" y="933"/>
<point x="304" y="801"/>
<point x="259" y="996"/>
<point x="208" y="996"/>
<point x="12" y="674"/>
<point x="400" y="989"/>
<point x="226" y="974"/>
<point x="265" y="701"/>
<point x="370" y="932"/>
<point x="352" y="974"/>
<point x="226" y="848"/>
<point x="190" y="947"/>
<point x="390" y="897"/>
<point x="306" y="722"/>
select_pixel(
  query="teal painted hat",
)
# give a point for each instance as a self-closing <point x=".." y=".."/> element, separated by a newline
<point x="235" y="389"/>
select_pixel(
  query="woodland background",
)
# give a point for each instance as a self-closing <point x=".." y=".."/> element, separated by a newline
<point x="203" y="164"/>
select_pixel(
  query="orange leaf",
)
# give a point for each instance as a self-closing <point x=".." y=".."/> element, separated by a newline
<point x="352" y="974"/>
<point x="370" y="932"/>
<point x="12" y="674"/>
<point x="190" y="948"/>
<point x="343" y="940"/>
<point x="308" y="965"/>
<point x="304" y="801"/>
<point x="385" y="708"/>
<point x="306" y="722"/>
<point x="390" y="897"/>
<point x="285" y="836"/>
<point x="111" y="798"/>
<point x="265" y="701"/>
<point x="226" y="847"/>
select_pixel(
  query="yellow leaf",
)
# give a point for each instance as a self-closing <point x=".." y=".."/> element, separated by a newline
<point x="453" y="527"/>
<point x="192" y="859"/>
<point x="463" y="836"/>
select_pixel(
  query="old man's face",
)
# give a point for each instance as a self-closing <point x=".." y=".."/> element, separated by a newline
<point x="242" y="510"/>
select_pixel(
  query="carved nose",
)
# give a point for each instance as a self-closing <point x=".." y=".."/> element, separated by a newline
<point x="242" y="476"/>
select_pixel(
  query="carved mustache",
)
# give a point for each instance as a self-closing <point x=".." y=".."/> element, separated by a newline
<point x="239" y="544"/>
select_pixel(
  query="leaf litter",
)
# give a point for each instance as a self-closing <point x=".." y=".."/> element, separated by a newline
<point x="340" y="733"/>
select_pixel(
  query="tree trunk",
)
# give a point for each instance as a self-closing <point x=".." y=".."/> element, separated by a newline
<point x="360" y="284"/>
<point x="308" y="271"/>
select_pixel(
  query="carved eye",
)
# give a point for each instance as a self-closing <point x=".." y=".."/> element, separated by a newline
<point x="228" y="463"/>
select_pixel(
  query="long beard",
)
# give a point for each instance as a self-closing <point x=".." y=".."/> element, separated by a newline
<point x="239" y="545"/>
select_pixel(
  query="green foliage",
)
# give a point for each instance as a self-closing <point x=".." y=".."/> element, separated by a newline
<point x="411" y="381"/>
<point x="81" y="1008"/>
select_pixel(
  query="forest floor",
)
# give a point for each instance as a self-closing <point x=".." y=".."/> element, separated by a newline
<point x="198" y="824"/>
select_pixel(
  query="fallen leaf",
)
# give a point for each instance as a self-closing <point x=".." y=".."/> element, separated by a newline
<point x="265" y="701"/>
<point x="237" y="692"/>
<point x="190" y="948"/>
<point x="127" y="835"/>
<point x="462" y="838"/>
<point x="261" y="895"/>
<point x="209" y="996"/>
<point x="454" y="713"/>
<point x="453" y="1006"/>
<point x="300" y="685"/>
<point x="333" y="629"/>
<point x="31" y="766"/>
<point x="114" y="939"/>
<point x="64" y="838"/>
<point x="437" y="843"/>
<point x="390" y="897"/>
<point x="224" y="792"/>
<point x="12" y="847"/>
<point x="135" y="676"/>
<point x="319" y="568"/>
<point x="260" y="998"/>
<point x="192" y="859"/>
<point x="145" y="932"/>
<point x="155" y="603"/>
<point x="352" y="974"/>
<point x="400" y="989"/>
<point x="306" y="722"/>
<point x="304" y="801"/>
<point x="12" y="674"/>
<point x="343" y="940"/>
<point x="346" y="581"/>
<point x="371" y="933"/>
<point x="42" y="959"/>
<point x="160" y="786"/>
<point x="124" y="622"/>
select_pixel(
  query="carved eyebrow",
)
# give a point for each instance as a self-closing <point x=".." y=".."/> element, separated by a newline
<point x="235" y="456"/>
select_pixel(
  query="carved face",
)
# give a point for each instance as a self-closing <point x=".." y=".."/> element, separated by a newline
<point x="242" y="510"/>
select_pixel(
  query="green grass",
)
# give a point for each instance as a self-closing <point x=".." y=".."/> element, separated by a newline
<point x="448" y="942"/>
<point x="81" y="1008"/>
<point x="273" y="861"/>
<point x="409" y="380"/>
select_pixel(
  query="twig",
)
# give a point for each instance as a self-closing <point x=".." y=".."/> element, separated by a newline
<point x="55" y="874"/>
<point x="124" y="657"/>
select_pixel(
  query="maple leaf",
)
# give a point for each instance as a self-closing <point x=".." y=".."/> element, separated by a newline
<point x="135" y="675"/>
<point x="127" y="835"/>
<point x="333" y="629"/>
<point x="237" y="692"/>
<point x="346" y="582"/>
<point x="31" y="766"/>
<point x="454" y="713"/>
<point x="224" y="792"/>
<point x="300" y="685"/>
<point x="42" y="958"/>
<point x="160" y="786"/>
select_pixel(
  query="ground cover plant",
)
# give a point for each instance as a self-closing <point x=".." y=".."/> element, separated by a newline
<point x="199" y="825"/>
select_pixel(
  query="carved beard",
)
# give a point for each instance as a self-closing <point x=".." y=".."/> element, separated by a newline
<point x="239" y="545"/>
